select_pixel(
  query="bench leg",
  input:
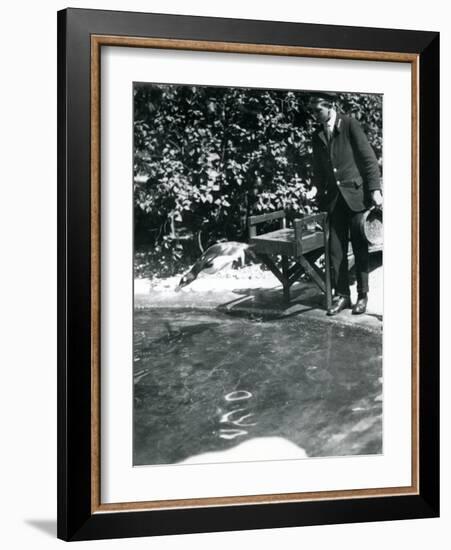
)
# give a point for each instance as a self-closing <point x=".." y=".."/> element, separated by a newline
<point x="286" y="293"/>
<point x="286" y="281"/>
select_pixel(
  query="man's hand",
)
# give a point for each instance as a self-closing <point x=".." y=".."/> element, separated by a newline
<point x="376" y="198"/>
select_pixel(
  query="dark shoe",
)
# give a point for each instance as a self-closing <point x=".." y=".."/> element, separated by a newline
<point x="339" y="303"/>
<point x="360" y="306"/>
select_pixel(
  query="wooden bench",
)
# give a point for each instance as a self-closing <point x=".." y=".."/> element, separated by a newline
<point x="299" y="247"/>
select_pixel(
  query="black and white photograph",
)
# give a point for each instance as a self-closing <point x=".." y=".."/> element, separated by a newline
<point x="258" y="274"/>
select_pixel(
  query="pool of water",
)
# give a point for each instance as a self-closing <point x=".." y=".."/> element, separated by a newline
<point x="205" y="382"/>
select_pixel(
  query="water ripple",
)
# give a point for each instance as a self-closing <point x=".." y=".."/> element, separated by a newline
<point x="231" y="433"/>
<point x="239" y="421"/>
<point x="238" y="395"/>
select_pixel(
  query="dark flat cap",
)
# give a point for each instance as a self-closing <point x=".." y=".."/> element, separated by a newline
<point x="320" y="95"/>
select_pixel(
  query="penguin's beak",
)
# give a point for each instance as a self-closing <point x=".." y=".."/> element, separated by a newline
<point x="181" y="284"/>
<point x="184" y="281"/>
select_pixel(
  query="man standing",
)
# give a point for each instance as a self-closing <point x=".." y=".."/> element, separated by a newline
<point x="346" y="175"/>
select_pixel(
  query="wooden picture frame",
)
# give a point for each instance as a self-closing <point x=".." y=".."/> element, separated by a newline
<point x="81" y="35"/>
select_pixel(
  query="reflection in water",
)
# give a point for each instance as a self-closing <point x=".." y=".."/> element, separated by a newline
<point x="314" y="384"/>
<point x="272" y="448"/>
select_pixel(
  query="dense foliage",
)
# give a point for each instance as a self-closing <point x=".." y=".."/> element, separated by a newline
<point x="207" y="157"/>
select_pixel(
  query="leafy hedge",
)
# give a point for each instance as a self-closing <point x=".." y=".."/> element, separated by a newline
<point x="207" y="157"/>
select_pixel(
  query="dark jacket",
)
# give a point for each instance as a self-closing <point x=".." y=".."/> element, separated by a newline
<point x="346" y="165"/>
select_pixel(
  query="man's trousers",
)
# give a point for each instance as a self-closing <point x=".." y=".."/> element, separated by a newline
<point x="345" y="223"/>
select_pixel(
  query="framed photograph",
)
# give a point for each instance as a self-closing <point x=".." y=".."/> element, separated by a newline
<point x="248" y="274"/>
